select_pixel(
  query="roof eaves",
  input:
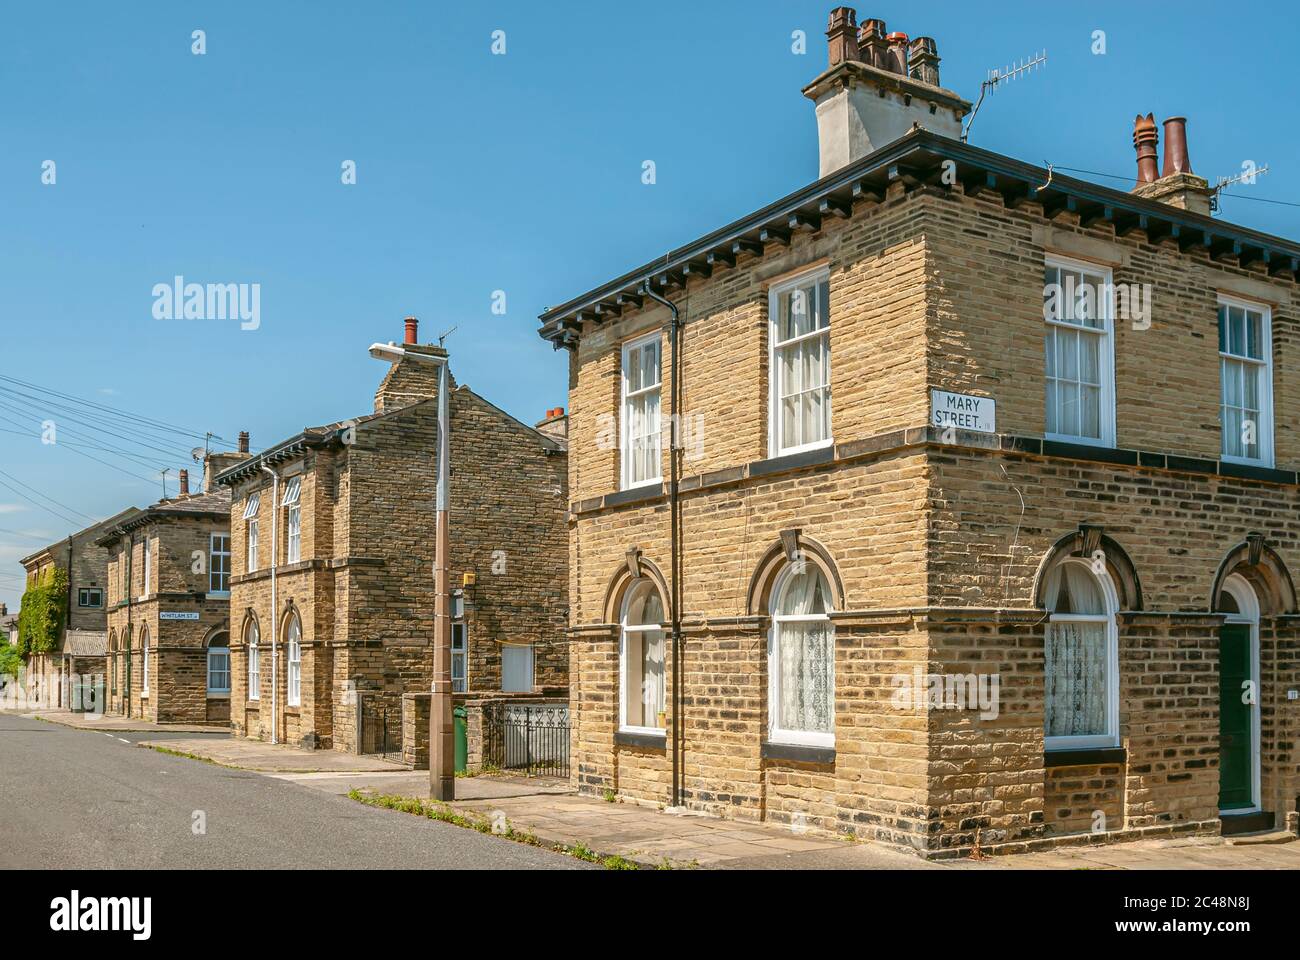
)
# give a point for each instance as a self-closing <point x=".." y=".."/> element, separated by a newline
<point x="562" y="324"/>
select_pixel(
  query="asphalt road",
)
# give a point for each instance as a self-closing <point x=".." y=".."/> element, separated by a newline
<point x="80" y="799"/>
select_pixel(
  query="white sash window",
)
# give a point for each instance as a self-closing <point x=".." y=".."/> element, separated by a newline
<point x="1081" y="658"/>
<point x="801" y="659"/>
<point x="641" y="660"/>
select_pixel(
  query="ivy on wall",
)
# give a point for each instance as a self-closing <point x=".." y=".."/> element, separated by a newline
<point x="44" y="606"/>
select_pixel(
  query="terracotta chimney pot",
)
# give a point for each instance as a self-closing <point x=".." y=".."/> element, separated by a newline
<point x="842" y="34"/>
<point x="1145" y="139"/>
<point x="1176" y="157"/>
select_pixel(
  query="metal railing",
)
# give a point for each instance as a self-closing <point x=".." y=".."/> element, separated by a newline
<point x="532" y="739"/>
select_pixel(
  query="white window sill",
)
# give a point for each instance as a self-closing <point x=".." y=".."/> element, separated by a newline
<point x="644" y="731"/>
<point x="1086" y="441"/>
<point x="798" y="738"/>
<point x="642" y="483"/>
<point x="218" y="694"/>
<point x="804" y="448"/>
<point x="1247" y="461"/>
<point x="218" y="595"/>
<point x="1056" y="744"/>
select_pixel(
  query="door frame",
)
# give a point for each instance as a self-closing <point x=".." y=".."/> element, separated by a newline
<point x="1248" y="604"/>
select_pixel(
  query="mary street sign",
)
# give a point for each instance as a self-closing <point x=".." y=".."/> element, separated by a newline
<point x="963" y="412"/>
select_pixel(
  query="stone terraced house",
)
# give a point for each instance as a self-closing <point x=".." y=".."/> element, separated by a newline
<point x="169" y="606"/>
<point x="82" y="641"/>
<point x="982" y="518"/>
<point x="344" y="515"/>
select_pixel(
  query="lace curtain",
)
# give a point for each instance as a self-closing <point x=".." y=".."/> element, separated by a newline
<point x="644" y="645"/>
<point x="805" y="653"/>
<point x="1076" y="678"/>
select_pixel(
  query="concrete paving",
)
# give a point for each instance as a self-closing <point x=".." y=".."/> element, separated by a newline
<point x="114" y="724"/>
<point x="78" y="799"/>
<point x="274" y="758"/>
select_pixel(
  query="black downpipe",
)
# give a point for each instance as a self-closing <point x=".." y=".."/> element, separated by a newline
<point x="675" y="560"/>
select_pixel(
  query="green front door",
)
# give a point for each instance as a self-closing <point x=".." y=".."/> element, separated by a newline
<point x="1236" y="718"/>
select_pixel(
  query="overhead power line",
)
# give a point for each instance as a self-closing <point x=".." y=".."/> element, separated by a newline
<point x="113" y="411"/>
<point x="45" y="496"/>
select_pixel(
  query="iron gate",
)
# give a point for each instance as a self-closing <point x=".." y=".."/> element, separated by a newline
<point x="527" y="738"/>
<point x="374" y="731"/>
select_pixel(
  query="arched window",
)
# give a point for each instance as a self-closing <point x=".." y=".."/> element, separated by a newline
<point x="801" y="659"/>
<point x="293" y="636"/>
<point x="1081" y="657"/>
<point x="144" y="661"/>
<point x="112" y="662"/>
<point x="254" y="661"/>
<point x="219" y="664"/>
<point x="641" y="659"/>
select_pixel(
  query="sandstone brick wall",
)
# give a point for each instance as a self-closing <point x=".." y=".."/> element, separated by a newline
<point x="177" y="648"/>
<point x="938" y="544"/>
<point x="987" y="334"/>
<point x="365" y="587"/>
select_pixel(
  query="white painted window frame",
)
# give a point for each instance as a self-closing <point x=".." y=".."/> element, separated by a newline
<point x="1111" y="619"/>
<point x="1105" y="355"/>
<point x="144" y="663"/>
<point x="253" y="648"/>
<point x="293" y="533"/>
<point x="462" y="654"/>
<point x="251" y="544"/>
<point x="213" y="554"/>
<point x="625" y="434"/>
<point x="624" y="629"/>
<point x="293" y="662"/>
<point x="211" y="690"/>
<point x="815" y="276"/>
<point x="775" y="734"/>
<point x="1265" y="431"/>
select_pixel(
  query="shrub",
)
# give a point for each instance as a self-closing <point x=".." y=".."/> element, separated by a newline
<point x="44" y="606"/>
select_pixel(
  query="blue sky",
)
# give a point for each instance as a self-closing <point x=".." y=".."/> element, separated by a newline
<point x="475" y="173"/>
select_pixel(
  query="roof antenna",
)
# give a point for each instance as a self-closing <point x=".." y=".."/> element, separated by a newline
<point x="447" y="334"/>
<point x="996" y="76"/>
<point x="165" y="471"/>
<point x="1247" y="175"/>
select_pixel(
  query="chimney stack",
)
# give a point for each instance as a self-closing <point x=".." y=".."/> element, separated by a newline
<point x="555" y="424"/>
<point x="412" y="330"/>
<point x="876" y="90"/>
<point x="873" y="48"/>
<point x="898" y="53"/>
<point x="1176" y="158"/>
<point x="923" y="60"/>
<point x="215" y="462"/>
<point x="1177" y="185"/>
<point x="842" y="34"/>
<point x="185" y="483"/>
<point x="1145" y="139"/>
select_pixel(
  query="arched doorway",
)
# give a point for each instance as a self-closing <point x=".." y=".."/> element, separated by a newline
<point x="1239" y="720"/>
